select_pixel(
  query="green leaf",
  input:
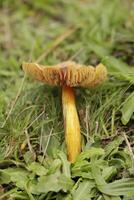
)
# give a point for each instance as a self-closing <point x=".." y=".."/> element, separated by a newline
<point x="46" y="184"/>
<point x="117" y="163"/>
<point x="92" y="152"/>
<point x="128" y="198"/>
<point x="83" y="190"/>
<point x="53" y="182"/>
<point x="128" y="109"/>
<point x="18" y="176"/>
<point x="64" y="197"/>
<point x="110" y="197"/>
<point x="65" y="183"/>
<point x="81" y="166"/>
<point x="96" y="172"/>
<point x="108" y="172"/>
<point x="29" y="157"/>
<point x="4" y="177"/>
<point x="112" y="147"/>
<point x="55" y="165"/>
<point x="19" y="195"/>
<point x="120" y="187"/>
<point x="37" y="168"/>
<point x="78" y="173"/>
<point x="82" y="163"/>
<point x="65" y="164"/>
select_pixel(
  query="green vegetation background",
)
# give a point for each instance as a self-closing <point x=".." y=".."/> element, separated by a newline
<point x="31" y="123"/>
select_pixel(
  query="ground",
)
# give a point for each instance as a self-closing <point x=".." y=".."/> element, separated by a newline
<point x="31" y="123"/>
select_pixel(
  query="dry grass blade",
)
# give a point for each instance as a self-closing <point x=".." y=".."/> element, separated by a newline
<point x="36" y="119"/>
<point x="28" y="142"/>
<point x="14" y="102"/>
<point x="129" y="147"/>
<point x="87" y="122"/>
<point x="49" y="137"/>
<point x="26" y="128"/>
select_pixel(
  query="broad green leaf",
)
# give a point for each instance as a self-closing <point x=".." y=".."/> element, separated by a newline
<point x="108" y="172"/>
<point x="65" y="183"/>
<point x="120" y="187"/>
<point x="106" y="197"/>
<point x="96" y="172"/>
<point x="46" y="162"/>
<point x="94" y="193"/>
<point x="92" y="152"/>
<point x="53" y="144"/>
<point x="55" y="165"/>
<point x="65" y="164"/>
<point x="127" y="109"/>
<point x="7" y="73"/>
<point x="117" y="163"/>
<point x="64" y="197"/>
<point x="29" y="157"/>
<point x="87" y="175"/>
<point x="112" y="147"/>
<point x="46" y="184"/>
<point x="128" y="198"/>
<point x="18" y="176"/>
<point x="121" y="159"/>
<point x="53" y="182"/>
<point x="37" y="168"/>
<point x="81" y="166"/>
<point x="19" y="195"/>
<point x="83" y="190"/>
<point x="4" y="177"/>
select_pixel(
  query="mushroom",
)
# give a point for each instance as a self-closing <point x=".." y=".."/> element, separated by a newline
<point x="69" y="75"/>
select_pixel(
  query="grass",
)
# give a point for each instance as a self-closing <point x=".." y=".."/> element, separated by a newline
<point x="31" y="119"/>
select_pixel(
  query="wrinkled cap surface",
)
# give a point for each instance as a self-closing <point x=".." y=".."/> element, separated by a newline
<point x="67" y="73"/>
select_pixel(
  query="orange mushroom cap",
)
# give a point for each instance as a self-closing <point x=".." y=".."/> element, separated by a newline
<point x="67" y="73"/>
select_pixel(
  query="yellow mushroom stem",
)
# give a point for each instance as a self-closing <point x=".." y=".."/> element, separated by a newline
<point x="71" y="123"/>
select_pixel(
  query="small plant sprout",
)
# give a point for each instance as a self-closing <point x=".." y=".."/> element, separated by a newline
<point x="69" y="75"/>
